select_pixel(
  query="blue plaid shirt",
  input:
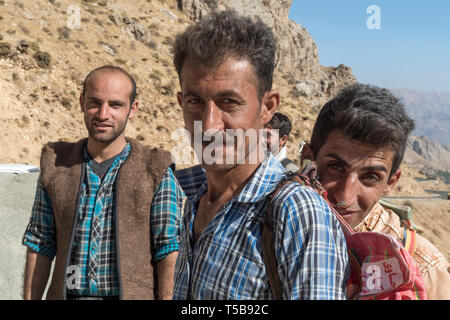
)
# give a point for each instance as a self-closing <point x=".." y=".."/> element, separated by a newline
<point x="93" y="249"/>
<point x="226" y="262"/>
<point x="166" y="216"/>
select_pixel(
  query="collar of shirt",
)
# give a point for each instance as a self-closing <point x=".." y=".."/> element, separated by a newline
<point x="281" y="154"/>
<point x="263" y="182"/>
<point x="120" y="157"/>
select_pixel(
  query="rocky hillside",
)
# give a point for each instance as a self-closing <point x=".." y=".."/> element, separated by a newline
<point x="47" y="47"/>
<point x="423" y="151"/>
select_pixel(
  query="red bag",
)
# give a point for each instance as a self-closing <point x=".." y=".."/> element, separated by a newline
<point x="381" y="268"/>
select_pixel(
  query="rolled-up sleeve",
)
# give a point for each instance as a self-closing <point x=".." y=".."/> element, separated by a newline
<point x="40" y="234"/>
<point x="166" y="216"/>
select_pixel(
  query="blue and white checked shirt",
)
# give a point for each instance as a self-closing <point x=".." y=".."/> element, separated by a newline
<point x="226" y="262"/>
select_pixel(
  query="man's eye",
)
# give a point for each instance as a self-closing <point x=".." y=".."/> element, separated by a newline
<point x="335" y="167"/>
<point x="229" y="101"/>
<point x="371" y="178"/>
<point x="193" y="101"/>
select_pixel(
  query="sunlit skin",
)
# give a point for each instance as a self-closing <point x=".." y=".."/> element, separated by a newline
<point x="106" y="108"/>
<point x="223" y="97"/>
<point x="355" y="175"/>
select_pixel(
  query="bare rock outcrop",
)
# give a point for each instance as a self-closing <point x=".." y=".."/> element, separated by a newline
<point x="297" y="57"/>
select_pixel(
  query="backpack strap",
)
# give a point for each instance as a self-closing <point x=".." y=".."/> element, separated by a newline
<point x="403" y="212"/>
<point x="270" y="261"/>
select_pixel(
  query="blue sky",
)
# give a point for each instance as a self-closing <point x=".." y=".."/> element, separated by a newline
<point x="410" y="50"/>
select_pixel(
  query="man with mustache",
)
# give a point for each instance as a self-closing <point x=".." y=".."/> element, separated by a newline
<point x="92" y="204"/>
<point x="358" y="143"/>
<point x="225" y="66"/>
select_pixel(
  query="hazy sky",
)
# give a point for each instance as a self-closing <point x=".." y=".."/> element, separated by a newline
<point x="411" y="48"/>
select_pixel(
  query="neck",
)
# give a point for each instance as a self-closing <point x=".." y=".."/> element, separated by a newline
<point x="225" y="184"/>
<point x="101" y="151"/>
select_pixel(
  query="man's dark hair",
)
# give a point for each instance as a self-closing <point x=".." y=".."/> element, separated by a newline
<point x="281" y="122"/>
<point x="368" y="114"/>
<point x="113" y="68"/>
<point x="222" y="35"/>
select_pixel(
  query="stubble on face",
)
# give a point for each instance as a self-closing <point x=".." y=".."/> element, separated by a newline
<point x="106" y="124"/>
<point x="222" y="98"/>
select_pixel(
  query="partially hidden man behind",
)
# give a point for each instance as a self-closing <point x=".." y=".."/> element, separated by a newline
<point x="92" y="204"/>
<point x="225" y="65"/>
<point x="277" y="131"/>
<point x="358" y="142"/>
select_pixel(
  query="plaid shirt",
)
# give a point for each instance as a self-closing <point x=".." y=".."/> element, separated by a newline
<point x="226" y="262"/>
<point x="94" y="245"/>
<point x="166" y="216"/>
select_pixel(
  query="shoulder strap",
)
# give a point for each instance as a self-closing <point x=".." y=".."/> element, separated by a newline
<point x="270" y="261"/>
<point x="403" y="212"/>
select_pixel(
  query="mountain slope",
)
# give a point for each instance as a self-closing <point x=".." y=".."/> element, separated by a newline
<point x="430" y="111"/>
<point x="43" y="61"/>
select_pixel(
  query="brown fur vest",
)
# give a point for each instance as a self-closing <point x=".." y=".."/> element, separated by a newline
<point x="138" y="178"/>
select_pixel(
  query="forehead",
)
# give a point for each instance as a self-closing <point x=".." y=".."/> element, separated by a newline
<point x="110" y="81"/>
<point x="230" y="72"/>
<point x="354" y="152"/>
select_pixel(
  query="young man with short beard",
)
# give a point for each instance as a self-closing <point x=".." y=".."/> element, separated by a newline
<point x="92" y="204"/>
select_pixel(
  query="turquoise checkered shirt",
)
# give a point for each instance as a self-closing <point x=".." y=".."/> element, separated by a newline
<point x="93" y="249"/>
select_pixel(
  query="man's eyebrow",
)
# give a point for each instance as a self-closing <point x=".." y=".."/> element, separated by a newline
<point x="117" y="102"/>
<point x="375" y="168"/>
<point x="229" y="93"/>
<point x="338" y="158"/>
<point x="345" y="164"/>
<point x="226" y="93"/>
<point x="191" y="93"/>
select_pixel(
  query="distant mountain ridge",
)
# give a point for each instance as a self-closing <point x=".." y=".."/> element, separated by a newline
<point x="425" y="152"/>
<point x="430" y="111"/>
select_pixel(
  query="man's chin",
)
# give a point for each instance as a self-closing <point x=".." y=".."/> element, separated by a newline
<point x="218" y="167"/>
<point x="104" y="139"/>
<point x="353" y="219"/>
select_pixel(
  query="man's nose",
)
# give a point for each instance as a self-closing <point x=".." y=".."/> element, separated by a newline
<point x="212" y="118"/>
<point x="346" y="190"/>
<point x="103" y="112"/>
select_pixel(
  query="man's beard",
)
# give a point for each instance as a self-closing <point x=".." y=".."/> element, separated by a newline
<point x="106" y="137"/>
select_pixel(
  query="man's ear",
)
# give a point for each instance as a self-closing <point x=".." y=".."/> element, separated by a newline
<point x="283" y="140"/>
<point x="180" y="99"/>
<point x="133" y="109"/>
<point x="81" y="102"/>
<point x="392" y="181"/>
<point x="270" y="103"/>
<point x="307" y="153"/>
